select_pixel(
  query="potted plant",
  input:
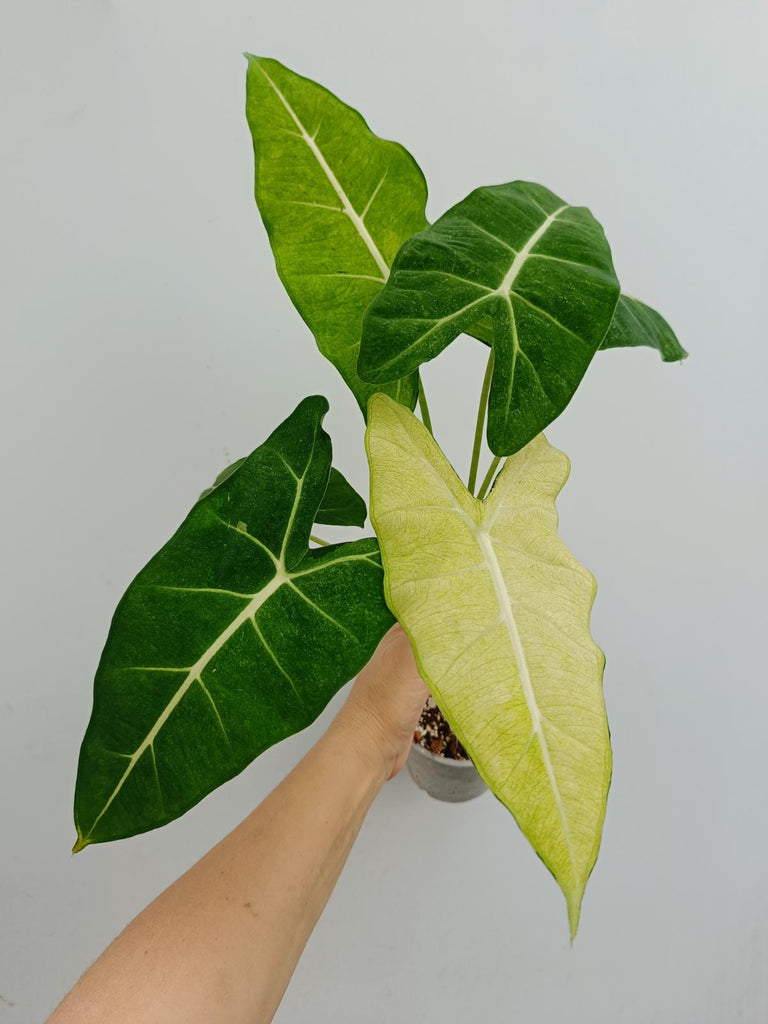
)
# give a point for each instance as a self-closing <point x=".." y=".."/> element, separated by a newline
<point x="208" y="660"/>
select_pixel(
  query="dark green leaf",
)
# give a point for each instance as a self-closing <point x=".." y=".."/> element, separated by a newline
<point x="341" y="504"/>
<point x="540" y="269"/>
<point x="225" y="474"/>
<point x="337" y="202"/>
<point x="635" y="324"/>
<point x="234" y="636"/>
<point x="482" y="330"/>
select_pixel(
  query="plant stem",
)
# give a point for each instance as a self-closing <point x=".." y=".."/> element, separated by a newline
<point x="319" y="540"/>
<point x="423" y="407"/>
<point x="489" y="477"/>
<point x="481" y="411"/>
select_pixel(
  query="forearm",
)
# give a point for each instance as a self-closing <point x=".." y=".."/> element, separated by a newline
<point x="221" y="944"/>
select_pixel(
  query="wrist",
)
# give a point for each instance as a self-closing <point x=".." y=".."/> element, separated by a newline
<point x="363" y="743"/>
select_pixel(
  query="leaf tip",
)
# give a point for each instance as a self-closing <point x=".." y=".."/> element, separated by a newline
<point x="81" y="842"/>
<point x="573" y="899"/>
<point x="678" y="357"/>
<point x="574" y="913"/>
<point x="315" y="406"/>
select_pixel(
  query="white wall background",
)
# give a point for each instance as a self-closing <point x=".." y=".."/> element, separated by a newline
<point x="146" y="341"/>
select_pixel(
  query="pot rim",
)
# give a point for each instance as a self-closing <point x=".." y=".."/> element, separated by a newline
<point x="459" y="764"/>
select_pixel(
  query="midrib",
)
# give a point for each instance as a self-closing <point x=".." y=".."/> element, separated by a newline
<point x="505" y="609"/>
<point x="256" y="601"/>
<point x="192" y="677"/>
<point x="503" y="290"/>
<point x="347" y="207"/>
<point x="519" y="261"/>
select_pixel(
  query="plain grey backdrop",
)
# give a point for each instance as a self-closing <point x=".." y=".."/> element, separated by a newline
<point x="146" y="342"/>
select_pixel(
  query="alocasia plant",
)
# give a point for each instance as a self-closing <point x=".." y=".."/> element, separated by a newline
<point x="206" y="663"/>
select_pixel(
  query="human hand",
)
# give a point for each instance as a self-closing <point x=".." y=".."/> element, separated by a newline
<point x="385" y="702"/>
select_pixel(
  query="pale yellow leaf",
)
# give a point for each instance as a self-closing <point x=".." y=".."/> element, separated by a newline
<point x="497" y="610"/>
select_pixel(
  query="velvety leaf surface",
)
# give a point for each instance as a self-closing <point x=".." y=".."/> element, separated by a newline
<point x="234" y="636"/>
<point x="341" y="504"/>
<point x="634" y="324"/>
<point x="538" y="269"/>
<point x="225" y="474"/>
<point x="337" y="202"/>
<point x="497" y="610"/>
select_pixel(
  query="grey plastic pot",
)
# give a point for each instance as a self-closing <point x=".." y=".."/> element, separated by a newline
<point x="442" y="777"/>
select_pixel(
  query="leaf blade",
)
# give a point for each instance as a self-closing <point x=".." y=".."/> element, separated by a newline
<point x="341" y="504"/>
<point x="497" y="610"/>
<point x="635" y="324"/>
<point x="207" y="662"/>
<point x="516" y="254"/>
<point x="337" y="202"/>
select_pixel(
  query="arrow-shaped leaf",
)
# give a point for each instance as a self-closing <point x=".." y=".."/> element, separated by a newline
<point x="634" y="324"/>
<point x="234" y="636"/>
<point x="337" y="202"/>
<point x="539" y="269"/>
<point x="497" y="610"/>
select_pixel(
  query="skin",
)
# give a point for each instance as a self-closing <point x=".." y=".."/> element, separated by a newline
<point x="222" y="942"/>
